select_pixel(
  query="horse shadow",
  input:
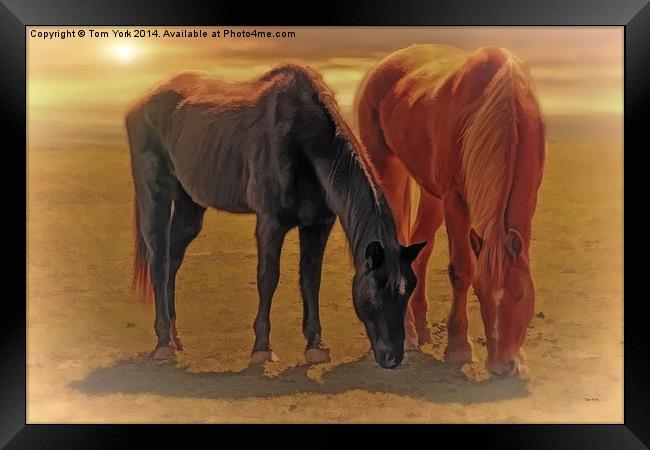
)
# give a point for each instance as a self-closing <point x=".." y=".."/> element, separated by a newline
<point x="420" y="376"/>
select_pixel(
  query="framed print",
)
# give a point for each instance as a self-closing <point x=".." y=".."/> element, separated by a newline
<point x="378" y="215"/>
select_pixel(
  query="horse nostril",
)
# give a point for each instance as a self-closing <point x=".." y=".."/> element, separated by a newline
<point x="392" y="361"/>
<point x="508" y="368"/>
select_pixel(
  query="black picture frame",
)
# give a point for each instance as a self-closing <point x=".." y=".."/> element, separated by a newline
<point x="15" y="15"/>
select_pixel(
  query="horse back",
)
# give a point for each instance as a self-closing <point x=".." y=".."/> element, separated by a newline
<point x="408" y="92"/>
<point x="211" y="132"/>
<point x="238" y="147"/>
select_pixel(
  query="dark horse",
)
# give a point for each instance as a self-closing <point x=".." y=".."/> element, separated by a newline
<point x="275" y="146"/>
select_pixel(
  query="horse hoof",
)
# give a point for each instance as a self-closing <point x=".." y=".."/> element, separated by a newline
<point x="163" y="353"/>
<point x="459" y="353"/>
<point x="263" y="356"/>
<point x="317" y="355"/>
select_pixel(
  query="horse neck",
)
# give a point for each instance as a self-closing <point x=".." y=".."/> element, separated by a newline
<point x="351" y="194"/>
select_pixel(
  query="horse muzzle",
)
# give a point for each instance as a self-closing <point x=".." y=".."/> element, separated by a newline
<point x="506" y="368"/>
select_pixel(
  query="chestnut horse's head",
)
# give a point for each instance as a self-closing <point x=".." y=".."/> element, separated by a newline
<point x="507" y="298"/>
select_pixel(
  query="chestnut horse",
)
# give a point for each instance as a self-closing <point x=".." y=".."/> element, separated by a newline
<point x="459" y="137"/>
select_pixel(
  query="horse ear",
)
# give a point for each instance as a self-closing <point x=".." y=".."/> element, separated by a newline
<point x="476" y="242"/>
<point x="374" y="255"/>
<point x="411" y="252"/>
<point x="515" y="244"/>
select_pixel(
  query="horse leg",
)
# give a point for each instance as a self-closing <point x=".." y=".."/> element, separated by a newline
<point x="312" y="248"/>
<point x="427" y="222"/>
<point x="270" y="237"/>
<point x="154" y="190"/>
<point x="187" y="220"/>
<point x="461" y="275"/>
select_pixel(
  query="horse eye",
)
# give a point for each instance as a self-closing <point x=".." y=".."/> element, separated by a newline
<point x="519" y="297"/>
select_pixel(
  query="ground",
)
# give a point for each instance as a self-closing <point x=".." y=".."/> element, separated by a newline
<point x="88" y="336"/>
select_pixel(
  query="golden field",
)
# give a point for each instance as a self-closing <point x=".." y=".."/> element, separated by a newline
<point x="88" y="335"/>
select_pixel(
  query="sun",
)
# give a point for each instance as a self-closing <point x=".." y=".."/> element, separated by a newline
<point x="124" y="53"/>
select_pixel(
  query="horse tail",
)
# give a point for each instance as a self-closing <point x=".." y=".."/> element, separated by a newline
<point x="489" y="141"/>
<point x="141" y="281"/>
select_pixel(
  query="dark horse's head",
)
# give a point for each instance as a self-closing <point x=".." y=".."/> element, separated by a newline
<point x="380" y="291"/>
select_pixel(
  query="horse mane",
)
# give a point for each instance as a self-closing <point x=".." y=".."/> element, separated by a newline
<point x="365" y="220"/>
<point x="489" y="145"/>
<point x="215" y="95"/>
<point x="343" y="130"/>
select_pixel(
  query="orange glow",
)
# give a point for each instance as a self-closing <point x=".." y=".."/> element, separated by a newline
<point x="78" y="88"/>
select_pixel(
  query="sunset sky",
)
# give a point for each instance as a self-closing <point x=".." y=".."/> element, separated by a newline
<point x="79" y="88"/>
